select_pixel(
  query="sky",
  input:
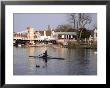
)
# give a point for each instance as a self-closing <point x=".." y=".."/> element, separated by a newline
<point x="40" y="21"/>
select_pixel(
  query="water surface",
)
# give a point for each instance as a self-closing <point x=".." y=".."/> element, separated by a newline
<point x="77" y="61"/>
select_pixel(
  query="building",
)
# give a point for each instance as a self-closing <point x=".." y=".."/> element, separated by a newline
<point x="31" y="35"/>
<point x="95" y="35"/>
<point x="64" y="35"/>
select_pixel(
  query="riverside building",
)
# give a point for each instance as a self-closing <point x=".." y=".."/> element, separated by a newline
<point x="31" y="35"/>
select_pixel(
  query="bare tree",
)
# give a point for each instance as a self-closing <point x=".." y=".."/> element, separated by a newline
<point x="73" y="19"/>
<point x="95" y="26"/>
<point x="84" y="18"/>
<point x="80" y="20"/>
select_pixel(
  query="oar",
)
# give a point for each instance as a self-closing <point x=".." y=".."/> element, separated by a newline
<point x="50" y="57"/>
<point x="57" y="58"/>
<point x="33" y="56"/>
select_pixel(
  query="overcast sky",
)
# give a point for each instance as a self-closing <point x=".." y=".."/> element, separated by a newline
<point x="40" y="21"/>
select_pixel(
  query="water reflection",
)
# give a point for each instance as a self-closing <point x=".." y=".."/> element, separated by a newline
<point x="31" y="51"/>
<point x="77" y="62"/>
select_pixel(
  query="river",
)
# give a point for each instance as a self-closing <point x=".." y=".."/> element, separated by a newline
<point x="76" y="61"/>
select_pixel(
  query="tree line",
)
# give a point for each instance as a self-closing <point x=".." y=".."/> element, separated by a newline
<point x="78" y="22"/>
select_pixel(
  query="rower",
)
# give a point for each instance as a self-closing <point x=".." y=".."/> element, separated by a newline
<point x="45" y="56"/>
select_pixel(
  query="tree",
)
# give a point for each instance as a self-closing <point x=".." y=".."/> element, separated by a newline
<point x="80" y="20"/>
<point x="48" y="31"/>
<point x="84" y="19"/>
<point x="64" y="28"/>
<point x="84" y="33"/>
<point x="73" y="19"/>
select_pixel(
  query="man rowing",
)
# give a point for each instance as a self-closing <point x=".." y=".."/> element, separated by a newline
<point x="45" y="56"/>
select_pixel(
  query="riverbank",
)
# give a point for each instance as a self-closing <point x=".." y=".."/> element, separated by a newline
<point x="82" y="45"/>
<point x="75" y="45"/>
<point x="70" y="44"/>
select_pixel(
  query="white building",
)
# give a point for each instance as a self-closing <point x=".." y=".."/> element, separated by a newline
<point x="64" y="35"/>
<point x="93" y="38"/>
<point x="31" y="35"/>
<point x="95" y="34"/>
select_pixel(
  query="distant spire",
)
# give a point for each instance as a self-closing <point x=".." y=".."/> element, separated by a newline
<point x="44" y="33"/>
<point x="49" y="28"/>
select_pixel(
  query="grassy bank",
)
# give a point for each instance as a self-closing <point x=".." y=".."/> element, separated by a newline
<point x="78" y="45"/>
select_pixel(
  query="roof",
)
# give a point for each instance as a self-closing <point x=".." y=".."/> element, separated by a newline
<point x="48" y="33"/>
<point x="67" y="33"/>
